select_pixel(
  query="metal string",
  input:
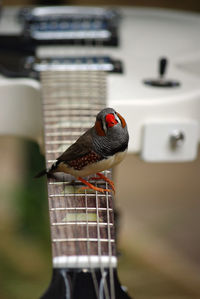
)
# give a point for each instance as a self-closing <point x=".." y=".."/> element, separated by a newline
<point x="111" y="274"/>
<point x="105" y="286"/>
<point x="44" y="79"/>
<point x="87" y="79"/>
<point x="99" y="250"/>
<point x="95" y="282"/>
<point x="94" y="278"/>
<point x="74" y="95"/>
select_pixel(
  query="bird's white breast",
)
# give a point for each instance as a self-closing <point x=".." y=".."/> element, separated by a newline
<point x="94" y="167"/>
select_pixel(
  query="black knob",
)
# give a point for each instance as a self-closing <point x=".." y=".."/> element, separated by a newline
<point x="161" y="81"/>
<point x="162" y="66"/>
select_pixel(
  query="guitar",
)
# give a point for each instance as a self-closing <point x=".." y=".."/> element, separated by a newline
<point x="171" y="105"/>
<point x="82" y="222"/>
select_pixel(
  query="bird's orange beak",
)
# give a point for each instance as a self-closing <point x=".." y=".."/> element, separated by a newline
<point x="110" y="120"/>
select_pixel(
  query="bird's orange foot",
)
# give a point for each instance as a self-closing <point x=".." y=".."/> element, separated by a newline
<point x="103" y="177"/>
<point x="90" y="186"/>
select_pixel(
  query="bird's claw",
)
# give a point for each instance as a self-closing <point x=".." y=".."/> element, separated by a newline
<point x="103" y="177"/>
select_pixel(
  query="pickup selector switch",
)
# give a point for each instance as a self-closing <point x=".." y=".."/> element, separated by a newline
<point x="161" y="81"/>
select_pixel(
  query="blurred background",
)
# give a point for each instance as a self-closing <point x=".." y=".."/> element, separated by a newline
<point x="158" y="236"/>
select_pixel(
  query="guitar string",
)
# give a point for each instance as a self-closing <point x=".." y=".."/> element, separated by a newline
<point x="94" y="278"/>
<point x="111" y="274"/>
<point x="59" y="247"/>
<point x="97" y="221"/>
<point x="68" y="230"/>
<point x="70" y="100"/>
<point x="98" y="226"/>
<point x="75" y="76"/>
<point x="91" y="118"/>
<point x="54" y="214"/>
<point x="102" y="269"/>
<point x="103" y="273"/>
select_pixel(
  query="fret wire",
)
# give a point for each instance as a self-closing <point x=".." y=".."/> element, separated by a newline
<point x="56" y="134"/>
<point x="63" y="118"/>
<point x="54" y="152"/>
<point x="96" y="100"/>
<point x="79" y="208"/>
<point x="73" y="125"/>
<point x="60" y="142"/>
<point x="74" y="105"/>
<point x="67" y="98"/>
<point x="66" y="81"/>
<point x="82" y="240"/>
<point x="67" y="104"/>
<point x="76" y="195"/>
<point x="80" y="223"/>
<point x="72" y="82"/>
<point x="52" y="161"/>
<point x="69" y="112"/>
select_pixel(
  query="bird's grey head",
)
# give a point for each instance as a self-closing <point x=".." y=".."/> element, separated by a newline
<point x="107" y="119"/>
<point x="110" y="133"/>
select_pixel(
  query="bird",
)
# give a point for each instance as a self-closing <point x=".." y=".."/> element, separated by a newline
<point x="101" y="147"/>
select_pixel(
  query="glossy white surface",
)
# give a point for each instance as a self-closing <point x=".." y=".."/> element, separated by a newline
<point x="145" y="36"/>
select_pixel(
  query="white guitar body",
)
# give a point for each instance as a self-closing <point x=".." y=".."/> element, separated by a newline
<point x="153" y="114"/>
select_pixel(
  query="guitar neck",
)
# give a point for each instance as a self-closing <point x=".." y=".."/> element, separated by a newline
<point x="82" y="222"/>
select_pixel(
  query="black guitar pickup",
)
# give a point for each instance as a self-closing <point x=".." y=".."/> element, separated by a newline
<point x="19" y="65"/>
<point x="70" y="25"/>
<point x="85" y="63"/>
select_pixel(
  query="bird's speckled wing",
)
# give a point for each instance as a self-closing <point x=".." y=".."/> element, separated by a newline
<point x="82" y="147"/>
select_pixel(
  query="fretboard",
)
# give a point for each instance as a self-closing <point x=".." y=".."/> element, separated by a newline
<point x="82" y="223"/>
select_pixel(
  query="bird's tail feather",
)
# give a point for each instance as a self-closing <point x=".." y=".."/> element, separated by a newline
<point x="41" y="173"/>
<point x="49" y="171"/>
